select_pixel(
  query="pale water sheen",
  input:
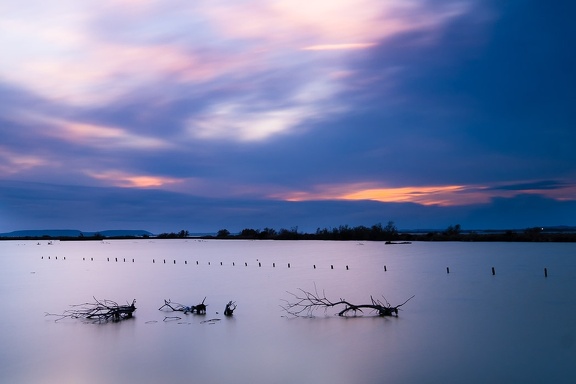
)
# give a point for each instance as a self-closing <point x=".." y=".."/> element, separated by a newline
<point x="467" y="326"/>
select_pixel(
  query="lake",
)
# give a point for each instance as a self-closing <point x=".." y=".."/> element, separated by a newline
<point x="465" y="326"/>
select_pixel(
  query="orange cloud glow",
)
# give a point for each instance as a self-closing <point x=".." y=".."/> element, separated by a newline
<point x="436" y="195"/>
<point x="445" y="195"/>
<point x="425" y="195"/>
<point x="337" y="47"/>
<point x="121" y="179"/>
<point x="100" y="135"/>
<point x="12" y="162"/>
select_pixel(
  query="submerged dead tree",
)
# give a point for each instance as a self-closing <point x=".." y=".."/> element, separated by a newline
<point x="177" y="307"/>
<point x="100" y="311"/>
<point x="305" y="303"/>
<point x="230" y="307"/>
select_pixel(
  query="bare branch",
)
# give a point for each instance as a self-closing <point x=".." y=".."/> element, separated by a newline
<point x="305" y="303"/>
<point x="177" y="307"/>
<point x="100" y="311"/>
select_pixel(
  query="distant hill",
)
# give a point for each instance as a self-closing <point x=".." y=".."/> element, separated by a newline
<point x="120" y="232"/>
<point x="75" y="233"/>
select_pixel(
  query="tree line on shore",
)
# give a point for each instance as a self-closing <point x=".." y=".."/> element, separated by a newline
<point x="376" y="232"/>
<point x="390" y="233"/>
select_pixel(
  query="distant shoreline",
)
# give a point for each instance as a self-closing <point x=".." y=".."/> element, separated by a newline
<point x="400" y="238"/>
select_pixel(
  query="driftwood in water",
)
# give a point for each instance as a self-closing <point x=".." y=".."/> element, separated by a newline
<point x="200" y="308"/>
<point x="230" y="307"/>
<point x="305" y="303"/>
<point x="100" y="311"/>
<point x="177" y="307"/>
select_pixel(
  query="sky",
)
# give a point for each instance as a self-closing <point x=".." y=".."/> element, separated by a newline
<point x="207" y="115"/>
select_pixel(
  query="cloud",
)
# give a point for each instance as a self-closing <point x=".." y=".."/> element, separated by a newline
<point x="97" y="54"/>
<point x="536" y="185"/>
<point x="86" y="134"/>
<point x="425" y="195"/>
<point x="394" y="104"/>
<point x="12" y="162"/>
<point x="123" y="179"/>
<point x="445" y="196"/>
<point x="338" y="47"/>
<point x="37" y="206"/>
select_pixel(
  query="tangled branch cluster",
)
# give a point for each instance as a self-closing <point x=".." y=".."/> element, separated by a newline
<point x="100" y="311"/>
<point x="198" y="309"/>
<point x="305" y="303"/>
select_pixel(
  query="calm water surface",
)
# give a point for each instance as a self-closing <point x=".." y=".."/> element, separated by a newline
<point x="466" y="326"/>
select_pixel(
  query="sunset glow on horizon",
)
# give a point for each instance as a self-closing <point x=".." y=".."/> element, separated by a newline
<point x="449" y="195"/>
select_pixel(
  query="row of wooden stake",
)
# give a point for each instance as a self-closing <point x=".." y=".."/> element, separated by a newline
<point x="273" y="264"/>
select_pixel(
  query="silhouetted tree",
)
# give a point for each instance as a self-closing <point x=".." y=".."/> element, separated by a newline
<point x="249" y="233"/>
<point x="453" y="231"/>
<point x="532" y="234"/>
<point x="286" y="234"/>
<point x="223" y="233"/>
<point x="390" y="231"/>
<point x="267" y="233"/>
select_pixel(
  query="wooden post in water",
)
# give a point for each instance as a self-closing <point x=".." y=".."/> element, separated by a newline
<point x="545" y="272"/>
<point x="288" y="265"/>
<point x="447" y="269"/>
<point x="346" y="267"/>
<point x="493" y="271"/>
<point x="384" y="268"/>
<point x="331" y="266"/>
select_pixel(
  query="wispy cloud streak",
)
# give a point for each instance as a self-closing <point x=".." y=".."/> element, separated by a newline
<point x="447" y="195"/>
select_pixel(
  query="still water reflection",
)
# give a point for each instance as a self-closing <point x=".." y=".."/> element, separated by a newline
<point x="466" y="326"/>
